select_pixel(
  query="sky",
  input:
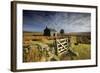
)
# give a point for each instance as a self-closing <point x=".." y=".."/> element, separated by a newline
<point x="36" y="21"/>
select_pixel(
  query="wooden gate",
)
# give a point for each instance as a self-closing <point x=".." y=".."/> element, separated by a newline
<point x="62" y="46"/>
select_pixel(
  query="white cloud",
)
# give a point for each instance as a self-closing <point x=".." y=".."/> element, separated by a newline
<point x="71" y="22"/>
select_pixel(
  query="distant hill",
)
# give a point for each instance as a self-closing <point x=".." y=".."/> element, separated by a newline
<point x="27" y="33"/>
<point x="78" y="33"/>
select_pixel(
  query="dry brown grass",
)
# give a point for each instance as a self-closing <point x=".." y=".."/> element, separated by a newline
<point x="34" y="54"/>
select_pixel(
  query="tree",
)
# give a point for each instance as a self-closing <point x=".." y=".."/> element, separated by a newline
<point x="62" y="31"/>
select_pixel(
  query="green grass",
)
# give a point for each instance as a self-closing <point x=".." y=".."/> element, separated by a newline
<point x="83" y="50"/>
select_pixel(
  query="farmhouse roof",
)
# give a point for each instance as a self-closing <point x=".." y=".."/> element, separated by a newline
<point x="51" y="29"/>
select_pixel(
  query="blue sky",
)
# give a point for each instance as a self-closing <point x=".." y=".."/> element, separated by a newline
<point x="36" y="21"/>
